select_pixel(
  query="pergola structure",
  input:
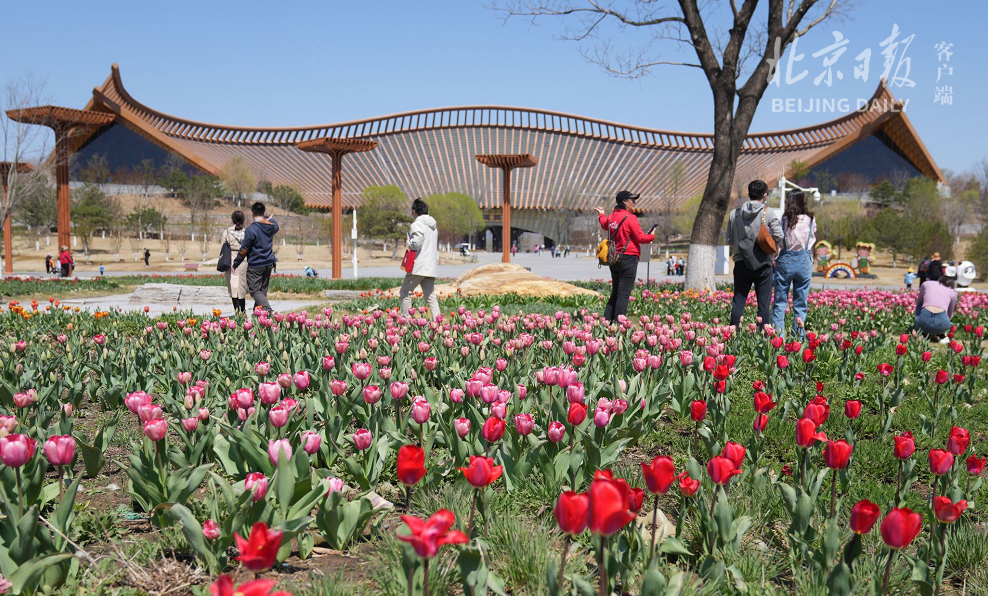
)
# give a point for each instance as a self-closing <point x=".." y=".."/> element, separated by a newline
<point x="61" y="121"/>
<point x="8" y="242"/>
<point x="507" y="162"/>
<point x="337" y="148"/>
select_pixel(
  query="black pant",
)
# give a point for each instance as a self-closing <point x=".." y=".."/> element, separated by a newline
<point x="257" y="284"/>
<point x="239" y="305"/>
<point x="65" y="269"/>
<point x="744" y="278"/>
<point x="623" y="276"/>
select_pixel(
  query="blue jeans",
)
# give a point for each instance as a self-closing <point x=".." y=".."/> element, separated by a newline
<point x="795" y="268"/>
<point x="932" y="324"/>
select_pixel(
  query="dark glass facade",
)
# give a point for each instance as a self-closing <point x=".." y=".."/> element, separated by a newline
<point x="867" y="162"/>
<point x="124" y="150"/>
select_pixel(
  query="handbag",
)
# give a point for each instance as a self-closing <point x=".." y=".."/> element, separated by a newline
<point x="408" y="261"/>
<point x="224" y="263"/>
<point x="613" y="255"/>
<point x="765" y="240"/>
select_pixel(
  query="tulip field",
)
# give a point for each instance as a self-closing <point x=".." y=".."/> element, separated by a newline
<point x="516" y="446"/>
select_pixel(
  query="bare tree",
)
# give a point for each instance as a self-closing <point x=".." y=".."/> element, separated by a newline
<point x="205" y="229"/>
<point x="23" y="144"/>
<point x="300" y="234"/>
<point x="166" y="242"/>
<point x="135" y="243"/>
<point x="182" y="245"/>
<point x="899" y="179"/>
<point x="116" y="241"/>
<point x="238" y="180"/>
<point x="744" y="49"/>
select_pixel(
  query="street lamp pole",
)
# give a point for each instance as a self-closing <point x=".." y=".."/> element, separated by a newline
<point x="353" y="235"/>
<point x="783" y="182"/>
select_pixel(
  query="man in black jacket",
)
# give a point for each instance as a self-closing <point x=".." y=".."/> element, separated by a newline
<point x="257" y="249"/>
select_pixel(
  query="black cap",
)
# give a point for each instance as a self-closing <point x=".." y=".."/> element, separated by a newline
<point x="626" y="195"/>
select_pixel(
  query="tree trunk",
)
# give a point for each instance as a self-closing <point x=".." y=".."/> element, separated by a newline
<point x="716" y="195"/>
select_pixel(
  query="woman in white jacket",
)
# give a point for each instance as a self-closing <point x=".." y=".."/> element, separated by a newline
<point x="236" y="279"/>
<point x="423" y="240"/>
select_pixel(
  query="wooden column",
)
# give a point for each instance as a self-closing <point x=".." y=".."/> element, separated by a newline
<point x="8" y="239"/>
<point x="336" y="148"/>
<point x="506" y="163"/>
<point x="337" y="214"/>
<point x="506" y="218"/>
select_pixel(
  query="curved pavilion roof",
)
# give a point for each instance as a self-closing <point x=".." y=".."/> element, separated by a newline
<point x="432" y="151"/>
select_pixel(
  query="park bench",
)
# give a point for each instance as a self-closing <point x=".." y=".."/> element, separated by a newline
<point x="192" y="266"/>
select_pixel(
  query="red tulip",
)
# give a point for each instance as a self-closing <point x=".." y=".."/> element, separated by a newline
<point x="659" y="475"/>
<point x="852" y="408"/>
<point x="493" y="429"/>
<point x="411" y="465"/>
<point x="976" y="464"/>
<point x="958" y="440"/>
<point x="688" y="486"/>
<point x="734" y="452"/>
<point x="815" y="412"/>
<point x="637" y="499"/>
<point x="808" y="356"/>
<point x="904" y="445"/>
<point x="864" y="514"/>
<point x="721" y="470"/>
<point x="761" y="421"/>
<point x="763" y="402"/>
<point x="885" y="369"/>
<point x="940" y="461"/>
<point x="427" y="536"/>
<point x="946" y="510"/>
<point x="258" y="587"/>
<point x="900" y="350"/>
<point x="721" y="372"/>
<point x="925" y="356"/>
<point x="481" y="471"/>
<point x="609" y="506"/>
<point x="806" y="434"/>
<point x="260" y="550"/>
<point x="781" y="361"/>
<point x="837" y="454"/>
<point x="577" y="413"/>
<point x="571" y="512"/>
<point x="900" y="527"/>
<point x="941" y="377"/>
<point x="698" y="410"/>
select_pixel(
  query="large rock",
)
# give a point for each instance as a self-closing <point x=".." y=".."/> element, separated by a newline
<point x="507" y="278"/>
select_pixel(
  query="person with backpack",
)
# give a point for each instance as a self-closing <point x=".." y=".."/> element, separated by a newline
<point x="625" y="237"/>
<point x="935" y="267"/>
<point x="236" y="277"/>
<point x="794" y="266"/>
<point x="753" y="250"/>
<point x="257" y="249"/>
<point x="923" y="270"/>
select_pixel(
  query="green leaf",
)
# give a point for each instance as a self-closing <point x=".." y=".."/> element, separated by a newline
<point x="674" y="546"/>
<point x="839" y="580"/>
<point x="23" y="579"/>
<point x="653" y="584"/>
<point x="284" y="484"/>
<point x="192" y="530"/>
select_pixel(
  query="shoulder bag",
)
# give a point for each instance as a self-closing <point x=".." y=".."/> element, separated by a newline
<point x="765" y="240"/>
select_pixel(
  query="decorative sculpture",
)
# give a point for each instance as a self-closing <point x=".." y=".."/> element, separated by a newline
<point x="822" y="255"/>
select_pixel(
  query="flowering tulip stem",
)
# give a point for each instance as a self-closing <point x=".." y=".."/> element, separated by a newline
<point x="888" y="571"/>
<point x="602" y="568"/>
<point x="655" y="523"/>
<point x="473" y="511"/>
<point x="425" y="577"/>
<point x="562" y="563"/>
<point x="61" y="483"/>
<point x="20" y="494"/>
<point x="833" y="494"/>
<point x="898" y="484"/>
<point x="802" y="476"/>
<point x="713" y="501"/>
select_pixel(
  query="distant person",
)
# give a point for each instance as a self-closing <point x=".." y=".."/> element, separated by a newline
<point x="423" y="240"/>
<point x="909" y="279"/>
<point x="147" y="257"/>
<point x="794" y="265"/>
<point x="65" y="261"/>
<point x="101" y="269"/>
<point x="626" y="237"/>
<point x="49" y="264"/>
<point x="751" y="265"/>
<point x="256" y="248"/>
<point x="236" y="278"/>
<point x="935" y="305"/>
<point x="670" y="266"/>
<point x="310" y="272"/>
<point x="936" y="267"/>
<point x="566" y="252"/>
<point x="923" y="270"/>
<point x="680" y="266"/>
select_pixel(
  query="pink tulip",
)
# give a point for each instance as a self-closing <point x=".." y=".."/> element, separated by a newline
<point x="16" y="450"/>
<point x="262" y="369"/>
<point x="524" y="424"/>
<point x="420" y="411"/>
<point x="399" y="389"/>
<point x="279" y="448"/>
<point x="337" y="387"/>
<point x="278" y="416"/>
<point x="269" y="393"/>
<point x="210" y="530"/>
<point x="456" y="395"/>
<point x="245" y="398"/>
<point x="556" y="431"/>
<point x="285" y="380"/>
<point x="257" y="484"/>
<point x="499" y="410"/>
<point x="362" y="439"/>
<point x="462" y="426"/>
<point x="333" y="485"/>
<point x="601" y="418"/>
<point x="134" y="400"/>
<point x="60" y="450"/>
<point x="184" y="378"/>
<point x="190" y="424"/>
<point x="361" y="370"/>
<point x="203" y="414"/>
<point x="301" y="380"/>
<point x="372" y="394"/>
<point x="311" y="442"/>
<point x="156" y="429"/>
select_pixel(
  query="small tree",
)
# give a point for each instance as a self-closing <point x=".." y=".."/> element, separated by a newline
<point x="182" y="245"/>
<point x="147" y="221"/>
<point x="166" y="241"/>
<point x="200" y="194"/>
<point x="203" y="238"/>
<point x="977" y="253"/>
<point x="842" y="221"/>
<point x="238" y="180"/>
<point x="456" y="214"/>
<point x="93" y="211"/>
<point x="384" y="214"/>
<point x="135" y="242"/>
<point x="289" y="199"/>
<point x="116" y="241"/>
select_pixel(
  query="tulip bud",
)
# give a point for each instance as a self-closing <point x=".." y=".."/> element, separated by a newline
<point x="556" y="431"/>
<point x="279" y="448"/>
<point x="462" y="426"/>
<point x="210" y="530"/>
<point x="362" y="439"/>
<point x="257" y="484"/>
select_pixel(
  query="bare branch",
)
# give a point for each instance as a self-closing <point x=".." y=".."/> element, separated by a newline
<point x="826" y="14"/>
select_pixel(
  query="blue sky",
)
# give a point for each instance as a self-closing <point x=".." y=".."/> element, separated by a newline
<point x="297" y="63"/>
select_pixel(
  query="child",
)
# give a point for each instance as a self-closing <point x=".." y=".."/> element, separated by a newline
<point x="910" y="278"/>
<point x="101" y="270"/>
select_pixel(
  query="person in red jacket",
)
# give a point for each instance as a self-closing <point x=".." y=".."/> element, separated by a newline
<point x="626" y="237"/>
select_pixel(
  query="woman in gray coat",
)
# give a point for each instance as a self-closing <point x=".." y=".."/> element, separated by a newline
<point x="423" y="240"/>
